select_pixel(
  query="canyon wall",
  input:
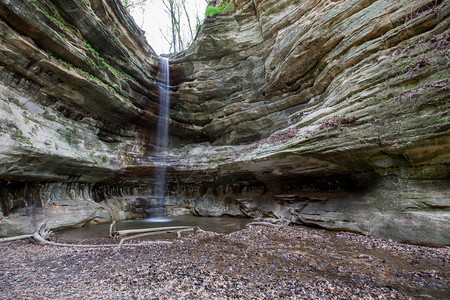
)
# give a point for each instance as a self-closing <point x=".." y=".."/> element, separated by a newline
<point x="77" y="97"/>
<point x="326" y="113"/>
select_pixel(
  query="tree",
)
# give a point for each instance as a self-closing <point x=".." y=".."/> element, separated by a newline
<point x="132" y="4"/>
<point x="184" y="16"/>
<point x="173" y="9"/>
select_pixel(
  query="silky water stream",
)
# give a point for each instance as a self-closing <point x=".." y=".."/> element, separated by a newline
<point x="162" y="139"/>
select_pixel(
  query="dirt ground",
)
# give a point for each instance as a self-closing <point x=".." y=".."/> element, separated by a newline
<point x="255" y="263"/>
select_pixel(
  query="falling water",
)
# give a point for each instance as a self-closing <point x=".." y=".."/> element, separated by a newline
<point x="162" y="136"/>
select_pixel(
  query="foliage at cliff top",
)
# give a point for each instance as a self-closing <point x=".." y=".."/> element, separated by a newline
<point x="219" y="10"/>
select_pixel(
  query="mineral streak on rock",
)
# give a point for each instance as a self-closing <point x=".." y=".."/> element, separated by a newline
<point x="329" y="113"/>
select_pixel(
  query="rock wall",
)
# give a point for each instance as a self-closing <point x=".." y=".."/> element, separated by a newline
<point x="77" y="104"/>
<point x="310" y="91"/>
<point x="26" y="205"/>
<point x="327" y="113"/>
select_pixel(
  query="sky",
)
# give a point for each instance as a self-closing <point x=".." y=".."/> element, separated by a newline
<point x="155" y="21"/>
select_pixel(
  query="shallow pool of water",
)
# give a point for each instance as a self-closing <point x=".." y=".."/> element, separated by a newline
<point x="215" y="224"/>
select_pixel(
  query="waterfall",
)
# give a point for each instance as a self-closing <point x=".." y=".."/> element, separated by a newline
<point x="162" y="136"/>
<point x="162" y="133"/>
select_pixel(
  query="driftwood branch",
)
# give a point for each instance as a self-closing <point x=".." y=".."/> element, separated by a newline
<point x="271" y="222"/>
<point x="138" y="236"/>
<point x="144" y="230"/>
<point x="16" y="238"/>
<point x="264" y="224"/>
<point x="41" y="235"/>
<point x="179" y="232"/>
<point x="112" y="230"/>
<point x="154" y="231"/>
<point x="204" y="231"/>
<point x="41" y="231"/>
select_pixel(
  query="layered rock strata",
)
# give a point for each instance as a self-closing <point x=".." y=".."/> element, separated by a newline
<point x="337" y="111"/>
<point x="328" y="113"/>
<point x="77" y="97"/>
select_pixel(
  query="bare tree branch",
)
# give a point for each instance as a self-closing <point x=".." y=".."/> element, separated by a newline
<point x="183" y="2"/>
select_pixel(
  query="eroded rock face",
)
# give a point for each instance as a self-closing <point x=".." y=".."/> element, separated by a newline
<point x="77" y="97"/>
<point x="329" y="113"/>
<point x="26" y="205"/>
<point x="289" y="91"/>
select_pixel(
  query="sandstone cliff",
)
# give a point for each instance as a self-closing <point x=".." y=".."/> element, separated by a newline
<point x="326" y="113"/>
<point x="77" y="91"/>
<point x="330" y="113"/>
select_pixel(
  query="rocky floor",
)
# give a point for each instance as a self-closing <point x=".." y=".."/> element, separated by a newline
<point x="254" y="263"/>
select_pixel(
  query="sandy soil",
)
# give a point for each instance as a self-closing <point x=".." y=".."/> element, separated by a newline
<point x="254" y="263"/>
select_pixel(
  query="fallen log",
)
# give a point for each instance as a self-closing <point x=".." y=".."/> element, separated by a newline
<point x="41" y="235"/>
<point x="45" y="242"/>
<point x="41" y="240"/>
<point x="154" y="232"/>
<point x="40" y="231"/>
<point x="179" y="232"/>
<point x="16" y="238"/>
<point x="137" y="236"/>
<point x="204" y="231"/>
<point x="264" y="224"/>
<point x="144" y="230"/>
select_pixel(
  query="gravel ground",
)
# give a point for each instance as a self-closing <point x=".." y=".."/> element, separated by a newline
<point x="255" y="263"/>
